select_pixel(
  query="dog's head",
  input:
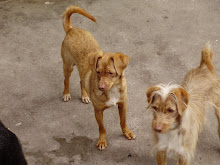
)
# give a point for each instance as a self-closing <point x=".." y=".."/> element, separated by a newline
<point x="168" y="104"/>
<point x="108" y="68"/>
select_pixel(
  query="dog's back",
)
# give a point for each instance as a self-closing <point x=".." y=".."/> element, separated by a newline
<point x="203" y="85"/>
<point x="10" y="148"/>
<point x="78" y="42"/>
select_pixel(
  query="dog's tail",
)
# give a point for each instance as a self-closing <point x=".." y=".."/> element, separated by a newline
<point x="67" y="14"/>
<point x="207" y="55"/>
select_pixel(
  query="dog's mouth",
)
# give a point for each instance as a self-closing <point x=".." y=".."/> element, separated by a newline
<point x="162" y="128"/>
<point x="101" y="89"/>
<point x="160" y="131"/>
<point x="104" y="89"/>
<point x="166" y="130"/>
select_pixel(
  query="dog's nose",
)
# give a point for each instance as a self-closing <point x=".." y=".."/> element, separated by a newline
<point x="101" y="88"/>
<point x="158" y="129"/>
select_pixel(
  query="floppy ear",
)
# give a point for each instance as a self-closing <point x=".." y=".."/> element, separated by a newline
<point x="182" y="98"/>
<point x="93" y="58"/>
<point x="150" y="94"/>
<point x="120" y="61"/>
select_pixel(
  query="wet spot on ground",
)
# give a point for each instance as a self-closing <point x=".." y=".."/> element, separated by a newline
<point x="79" y="145"/>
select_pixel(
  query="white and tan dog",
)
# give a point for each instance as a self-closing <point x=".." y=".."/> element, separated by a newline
<point x="179" y="111"/>
<point x="101" y="74"/>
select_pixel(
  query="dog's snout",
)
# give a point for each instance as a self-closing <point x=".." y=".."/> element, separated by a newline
<point x="102" y="86"/>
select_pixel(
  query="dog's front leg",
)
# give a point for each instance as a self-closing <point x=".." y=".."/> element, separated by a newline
<point x="183" y="161"/>
<point x="101" y="144"/>
<point x="122" y="107"/>
<point x="161" y="158"/>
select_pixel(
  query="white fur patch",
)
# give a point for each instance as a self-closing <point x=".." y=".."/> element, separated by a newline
<point x="66" y="97"/>
<point x="170" y="142"/>
<point x="114" y="95"/>
<point x="165" y="89"/>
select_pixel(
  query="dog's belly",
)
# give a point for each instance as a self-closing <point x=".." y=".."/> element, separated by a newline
<point x="114" y="96"/>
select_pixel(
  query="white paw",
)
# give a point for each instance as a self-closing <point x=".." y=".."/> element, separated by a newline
<point x="129" y="135"/>
<point x="85" y="100"/>
<point x="66" y="97"/>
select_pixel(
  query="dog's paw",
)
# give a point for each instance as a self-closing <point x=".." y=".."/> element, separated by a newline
<point x="86" y="100"/>
<point x="66" y="97"/>
<point x="129" y="135"/>
<point x="101" y="144"/>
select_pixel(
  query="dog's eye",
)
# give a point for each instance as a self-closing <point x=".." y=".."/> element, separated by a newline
<point x="98" y="72"/>
<point x="155" y="108"/>
<point x="170" y="110"/>
<point x="111" y="73"/>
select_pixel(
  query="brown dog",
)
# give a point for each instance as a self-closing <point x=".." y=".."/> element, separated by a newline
<point x="179" y="111"/>
<point x="102" y="74"/>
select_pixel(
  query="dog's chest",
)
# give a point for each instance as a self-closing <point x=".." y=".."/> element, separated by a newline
<point x="171" y="142"/>
<point x="114" y="96"/>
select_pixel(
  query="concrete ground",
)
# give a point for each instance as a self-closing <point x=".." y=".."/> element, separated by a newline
<point x="163" y="39"/>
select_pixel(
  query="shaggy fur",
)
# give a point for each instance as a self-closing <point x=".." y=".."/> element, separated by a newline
<point x="179" y="111"/>
<point x="101" y="74"/>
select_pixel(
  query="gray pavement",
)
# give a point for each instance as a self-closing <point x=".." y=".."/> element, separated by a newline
<point x="163" y="39"/>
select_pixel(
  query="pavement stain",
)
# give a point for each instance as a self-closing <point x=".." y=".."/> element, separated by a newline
<point x="79" y="145"/>
<point x="127" y="157"/>
<point x="159" y="53"/>
<point x="75" y="149"/>
<point x="161" y="45"/>
<point x="165" y="17"/>
<point x="92" y="1"/>
<point x="41" y="157"/>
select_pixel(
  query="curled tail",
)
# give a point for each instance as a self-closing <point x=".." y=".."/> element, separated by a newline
<point x="207" y="55"/>
<point x="67" y="14"/>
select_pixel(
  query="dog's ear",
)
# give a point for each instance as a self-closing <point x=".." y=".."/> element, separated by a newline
<point x="93" y="58"/>
<point x="182" y="98"/>
<point x="120" y="61"/>
<point x="150" y="94"/>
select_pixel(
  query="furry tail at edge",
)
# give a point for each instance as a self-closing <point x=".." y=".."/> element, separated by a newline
<point x="67" y="14"/>
<point x="207" y="55"/>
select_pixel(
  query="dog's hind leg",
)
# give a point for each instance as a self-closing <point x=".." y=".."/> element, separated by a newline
<point x="217" y="112"/>
<point x="215" y="97"/>
<point x="67" y="70"/>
